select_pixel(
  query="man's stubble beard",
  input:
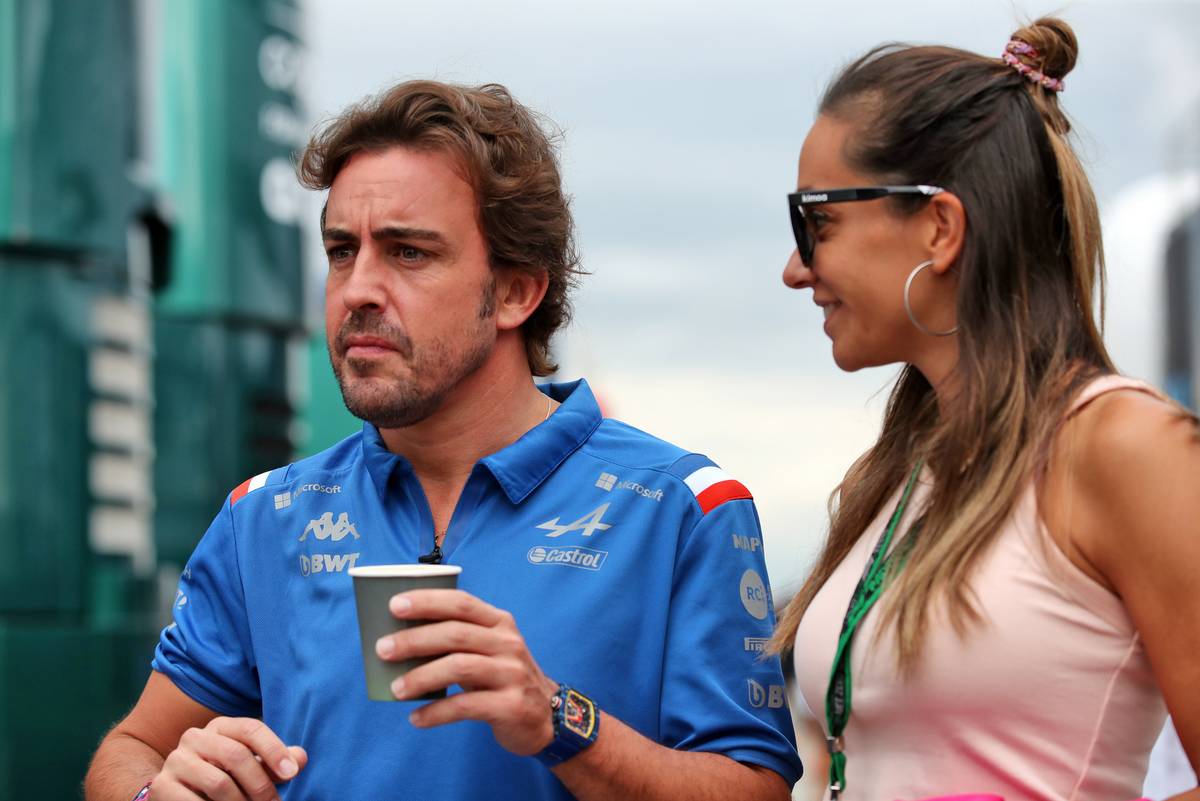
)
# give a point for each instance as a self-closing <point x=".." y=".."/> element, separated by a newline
<point x="433" y="372"/>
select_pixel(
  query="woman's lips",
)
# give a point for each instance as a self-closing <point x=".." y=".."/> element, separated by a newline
<point x="828" y="309"/>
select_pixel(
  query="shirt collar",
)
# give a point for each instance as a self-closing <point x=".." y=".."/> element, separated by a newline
<point x="522" y="466"/>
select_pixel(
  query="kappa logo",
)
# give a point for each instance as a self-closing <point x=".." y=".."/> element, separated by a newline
<point x="753" y="594"/>
<point x="589" y="524"/>
<point x="324" y="528"/>
<point x="772" y="696"/>
<point x="326" y="563"/>
<point x="572" y="556"/>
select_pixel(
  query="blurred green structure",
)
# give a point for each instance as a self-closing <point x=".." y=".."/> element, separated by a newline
<point x="155" y="349"/>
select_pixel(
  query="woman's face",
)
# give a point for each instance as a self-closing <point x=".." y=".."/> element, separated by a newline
<point x="864" y="252"/>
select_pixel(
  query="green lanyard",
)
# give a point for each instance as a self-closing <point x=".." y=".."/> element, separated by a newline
<point x="870" y="587"/>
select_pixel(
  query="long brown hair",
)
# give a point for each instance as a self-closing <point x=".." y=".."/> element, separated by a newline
<point x="1030" y="266"/>
<point x="511" y="162"/>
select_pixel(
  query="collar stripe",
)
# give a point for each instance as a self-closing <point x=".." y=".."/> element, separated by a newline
<point x="712" y="487"/>
<point x="248" y="486"/>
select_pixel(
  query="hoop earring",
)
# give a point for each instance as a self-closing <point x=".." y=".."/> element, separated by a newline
<point x="912" y="318"/>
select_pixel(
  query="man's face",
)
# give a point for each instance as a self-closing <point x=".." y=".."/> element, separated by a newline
<point x="410" y="296"/>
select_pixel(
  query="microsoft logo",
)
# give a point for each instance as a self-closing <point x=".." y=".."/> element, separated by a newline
<point x="606" y="481"/>
<point x="283" y="500"/>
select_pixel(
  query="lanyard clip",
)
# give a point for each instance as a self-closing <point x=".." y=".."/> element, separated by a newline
<point x="835" y="745"/>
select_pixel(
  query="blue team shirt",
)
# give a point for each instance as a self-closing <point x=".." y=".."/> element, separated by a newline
<point x="634" y="571"/>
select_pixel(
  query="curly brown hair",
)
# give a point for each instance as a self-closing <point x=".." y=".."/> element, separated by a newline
<point x="510" y="161"/>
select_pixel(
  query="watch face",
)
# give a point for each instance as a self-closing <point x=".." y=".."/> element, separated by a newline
<point x="579" y="715"/>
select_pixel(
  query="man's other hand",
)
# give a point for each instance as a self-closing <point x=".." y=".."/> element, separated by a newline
<point x="230" y="759"/>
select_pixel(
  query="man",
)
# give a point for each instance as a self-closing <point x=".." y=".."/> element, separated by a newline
<point x="608" y="628"/>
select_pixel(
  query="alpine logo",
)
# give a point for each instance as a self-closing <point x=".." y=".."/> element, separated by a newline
<point x="589" y="524"/>
<point x="583" y="558"/>
<point x="324" y="528"/>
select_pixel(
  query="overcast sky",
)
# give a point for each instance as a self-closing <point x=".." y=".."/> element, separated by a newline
<point x="682" y="123"/>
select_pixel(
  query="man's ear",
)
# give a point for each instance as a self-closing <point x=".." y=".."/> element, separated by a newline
<point x="519" y="291"/>
<point x="947" y="230"/>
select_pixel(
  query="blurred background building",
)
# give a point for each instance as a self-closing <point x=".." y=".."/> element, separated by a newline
<point x="161" y="271"/>
<point x="154" y="339"/>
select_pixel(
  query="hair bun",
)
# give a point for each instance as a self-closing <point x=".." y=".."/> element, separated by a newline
<point x="1055" y="43"/>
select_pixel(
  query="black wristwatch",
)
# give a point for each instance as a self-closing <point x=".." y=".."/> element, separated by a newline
<point x="576" y="724"/>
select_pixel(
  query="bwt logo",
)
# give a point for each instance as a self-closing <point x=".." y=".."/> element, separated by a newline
<point x="753" y="594"/>
<point x="742" y="542"/>
<point x="323" y="528"/>
<point x="771" y="696"/>
<point x="585" y="558"/>
<point x="326" y="563"/>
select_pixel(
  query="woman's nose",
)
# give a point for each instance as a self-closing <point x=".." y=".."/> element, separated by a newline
<point x="795" y="274"/>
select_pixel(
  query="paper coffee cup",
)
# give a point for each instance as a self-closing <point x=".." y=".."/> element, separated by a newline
<point x="374" y="587"/>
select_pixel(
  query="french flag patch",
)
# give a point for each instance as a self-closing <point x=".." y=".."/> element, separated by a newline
<point x="711" y="485"/>
<point x="247" y="486"/>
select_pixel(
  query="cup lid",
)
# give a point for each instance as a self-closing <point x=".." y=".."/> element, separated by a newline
<point x="405" y="571"/>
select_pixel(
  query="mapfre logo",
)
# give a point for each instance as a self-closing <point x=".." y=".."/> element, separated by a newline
<point x="589" y="524"/>
<point x="744" y="543"/>
<point x="325" y="528"/>
<point x="583" y="558"/>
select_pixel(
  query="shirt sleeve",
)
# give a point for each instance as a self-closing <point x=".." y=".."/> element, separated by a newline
<point x="721" y="693"/>
<point x="206" y="651"/>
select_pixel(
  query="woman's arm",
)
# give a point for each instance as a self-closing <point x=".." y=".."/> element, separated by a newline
<point x="1127" y="511"/>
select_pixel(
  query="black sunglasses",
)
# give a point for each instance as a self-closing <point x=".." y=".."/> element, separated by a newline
<point x="806" y="239"/>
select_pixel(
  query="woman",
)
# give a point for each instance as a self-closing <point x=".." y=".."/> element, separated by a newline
<point x="1027" y="519"/>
